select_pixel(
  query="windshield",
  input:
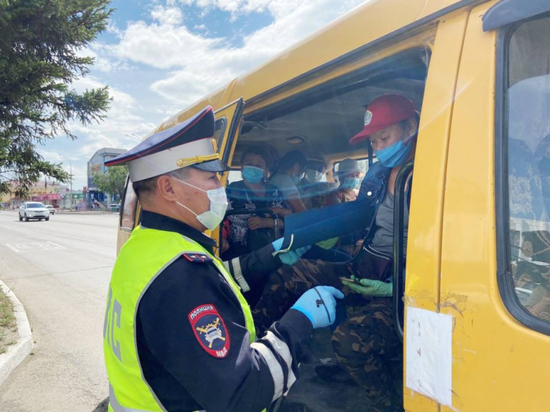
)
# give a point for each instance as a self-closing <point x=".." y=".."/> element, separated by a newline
<point x="34" y="205"/>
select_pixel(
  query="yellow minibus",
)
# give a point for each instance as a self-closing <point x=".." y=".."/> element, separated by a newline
<point x="472" y="291"/>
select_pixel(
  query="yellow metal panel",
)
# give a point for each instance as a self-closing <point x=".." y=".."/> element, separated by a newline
<point x="498" y="364"/>
<point x="421" y="38"/>
<point x="424" y="239"/>
<point x="432" y="7"/>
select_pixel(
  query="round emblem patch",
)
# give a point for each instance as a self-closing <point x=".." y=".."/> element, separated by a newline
<point x="210" y="330"/>
<point x="368" y="117"/>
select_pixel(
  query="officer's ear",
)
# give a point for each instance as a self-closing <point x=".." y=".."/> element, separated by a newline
<point x="165" y="188"/>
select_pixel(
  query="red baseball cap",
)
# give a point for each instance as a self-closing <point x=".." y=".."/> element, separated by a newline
<point x="382" y="112"/>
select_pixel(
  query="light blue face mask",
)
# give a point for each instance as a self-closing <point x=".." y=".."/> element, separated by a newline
<point x="253" y="174"/>
<point x="351" y="183"/>
<point x="394" y="155"/>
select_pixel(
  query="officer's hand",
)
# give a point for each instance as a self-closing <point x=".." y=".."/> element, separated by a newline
<point x="370" y="287"/>
<point x="292" y="256"/>
<point x="319" y="305"/>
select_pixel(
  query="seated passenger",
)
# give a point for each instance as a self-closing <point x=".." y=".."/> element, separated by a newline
<point x="290" y="171"/>
<point x="249" y="232"/>
<point x="349" y="175"/>
<point x="366" y="341"/>
<point x="314" y="188"/>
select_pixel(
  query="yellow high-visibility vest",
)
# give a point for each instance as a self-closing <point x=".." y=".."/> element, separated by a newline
<point x="141" y="260"/>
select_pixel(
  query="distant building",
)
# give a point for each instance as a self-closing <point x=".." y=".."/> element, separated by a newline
<point x="45" y="191"/>
<point x="97" y="165"/>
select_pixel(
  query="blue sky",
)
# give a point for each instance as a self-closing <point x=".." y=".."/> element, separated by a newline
<point x="159" y="56"/>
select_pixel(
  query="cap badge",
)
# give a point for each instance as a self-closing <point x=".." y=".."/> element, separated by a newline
<point x="368" y="117"/>
<point x="214" y="145"/>
<point x="197" y="159"/>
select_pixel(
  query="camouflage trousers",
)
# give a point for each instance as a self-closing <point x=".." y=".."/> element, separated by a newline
<point x="365" y="343"/>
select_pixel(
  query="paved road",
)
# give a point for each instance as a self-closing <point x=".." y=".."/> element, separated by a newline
<point x="60" y="271"/>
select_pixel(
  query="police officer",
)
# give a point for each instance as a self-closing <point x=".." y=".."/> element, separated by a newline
<point x="179" y="335"/>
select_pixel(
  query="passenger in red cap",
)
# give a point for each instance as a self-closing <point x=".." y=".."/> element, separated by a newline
<point x="390" y="125"/>
<point x="365" y="343"/>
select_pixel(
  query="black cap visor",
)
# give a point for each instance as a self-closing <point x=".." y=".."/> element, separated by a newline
<point x="211" y="166"/>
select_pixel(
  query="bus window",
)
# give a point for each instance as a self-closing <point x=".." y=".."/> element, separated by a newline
<point x="219" y="130"/>
<point x="527" y="104"/>
<point x="128" y="208"/>
<point x="325" y="119"/>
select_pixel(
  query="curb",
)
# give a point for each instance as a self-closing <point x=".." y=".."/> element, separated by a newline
<point x="18" y="352"/>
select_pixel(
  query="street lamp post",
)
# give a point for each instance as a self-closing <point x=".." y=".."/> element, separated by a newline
<point x="71" y="183"/>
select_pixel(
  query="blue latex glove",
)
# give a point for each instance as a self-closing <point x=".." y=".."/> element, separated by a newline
<point x="319" y="305"/>
<point x="292" y="256"/>
<point x="277" y="244"/>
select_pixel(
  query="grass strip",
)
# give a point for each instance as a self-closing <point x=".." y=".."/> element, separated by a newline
<point x="7" y="322"/>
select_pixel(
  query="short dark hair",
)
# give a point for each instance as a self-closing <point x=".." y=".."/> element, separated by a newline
<point x="149" y="186"/>
<point x="404" y="123"/>
<point x="290" y="159"/>
<point x="256" y="150"/>
<point x="145" y="187"/>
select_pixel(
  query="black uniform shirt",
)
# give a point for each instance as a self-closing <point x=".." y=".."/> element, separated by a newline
<point x="192" y="341"/>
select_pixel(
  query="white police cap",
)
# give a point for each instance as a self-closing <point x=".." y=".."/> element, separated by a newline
<point x="189" y="143"/>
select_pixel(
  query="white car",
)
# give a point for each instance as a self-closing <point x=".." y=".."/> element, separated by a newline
<point x="50" y="209"/>
<point x="33" y="210"/>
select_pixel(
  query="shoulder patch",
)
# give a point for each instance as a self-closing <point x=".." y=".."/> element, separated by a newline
<point x="209" y="329"/>
<point x="195" y="257"/>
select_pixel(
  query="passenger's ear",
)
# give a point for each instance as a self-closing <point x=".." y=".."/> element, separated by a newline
<point x="412" y="126"/>
<point x="165" y="188"/>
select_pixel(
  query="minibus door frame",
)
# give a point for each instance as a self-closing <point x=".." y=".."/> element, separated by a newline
<point x="403" y="177"/>
<point x="233" y="113"/>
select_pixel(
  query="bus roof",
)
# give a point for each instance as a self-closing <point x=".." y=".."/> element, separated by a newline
<point x="363" y="25"/>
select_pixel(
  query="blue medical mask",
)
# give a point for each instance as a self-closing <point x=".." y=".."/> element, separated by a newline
<point x="351" y="183"/>
<point x="252" y="174"/>
<point x="394" y="155"/>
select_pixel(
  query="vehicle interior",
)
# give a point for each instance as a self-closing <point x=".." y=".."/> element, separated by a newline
<point x="324" y="119"/>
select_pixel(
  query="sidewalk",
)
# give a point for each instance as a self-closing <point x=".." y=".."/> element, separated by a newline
<point x="86" y="212"/>
<point x="17" y="352"/>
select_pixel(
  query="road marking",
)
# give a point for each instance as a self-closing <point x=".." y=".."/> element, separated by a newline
<point x="12" y="248"/>
<point x="34" y="246"/>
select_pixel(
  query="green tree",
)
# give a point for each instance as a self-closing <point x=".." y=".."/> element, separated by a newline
<point x="113" y="181"/>
<point x="39" y="60"/>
